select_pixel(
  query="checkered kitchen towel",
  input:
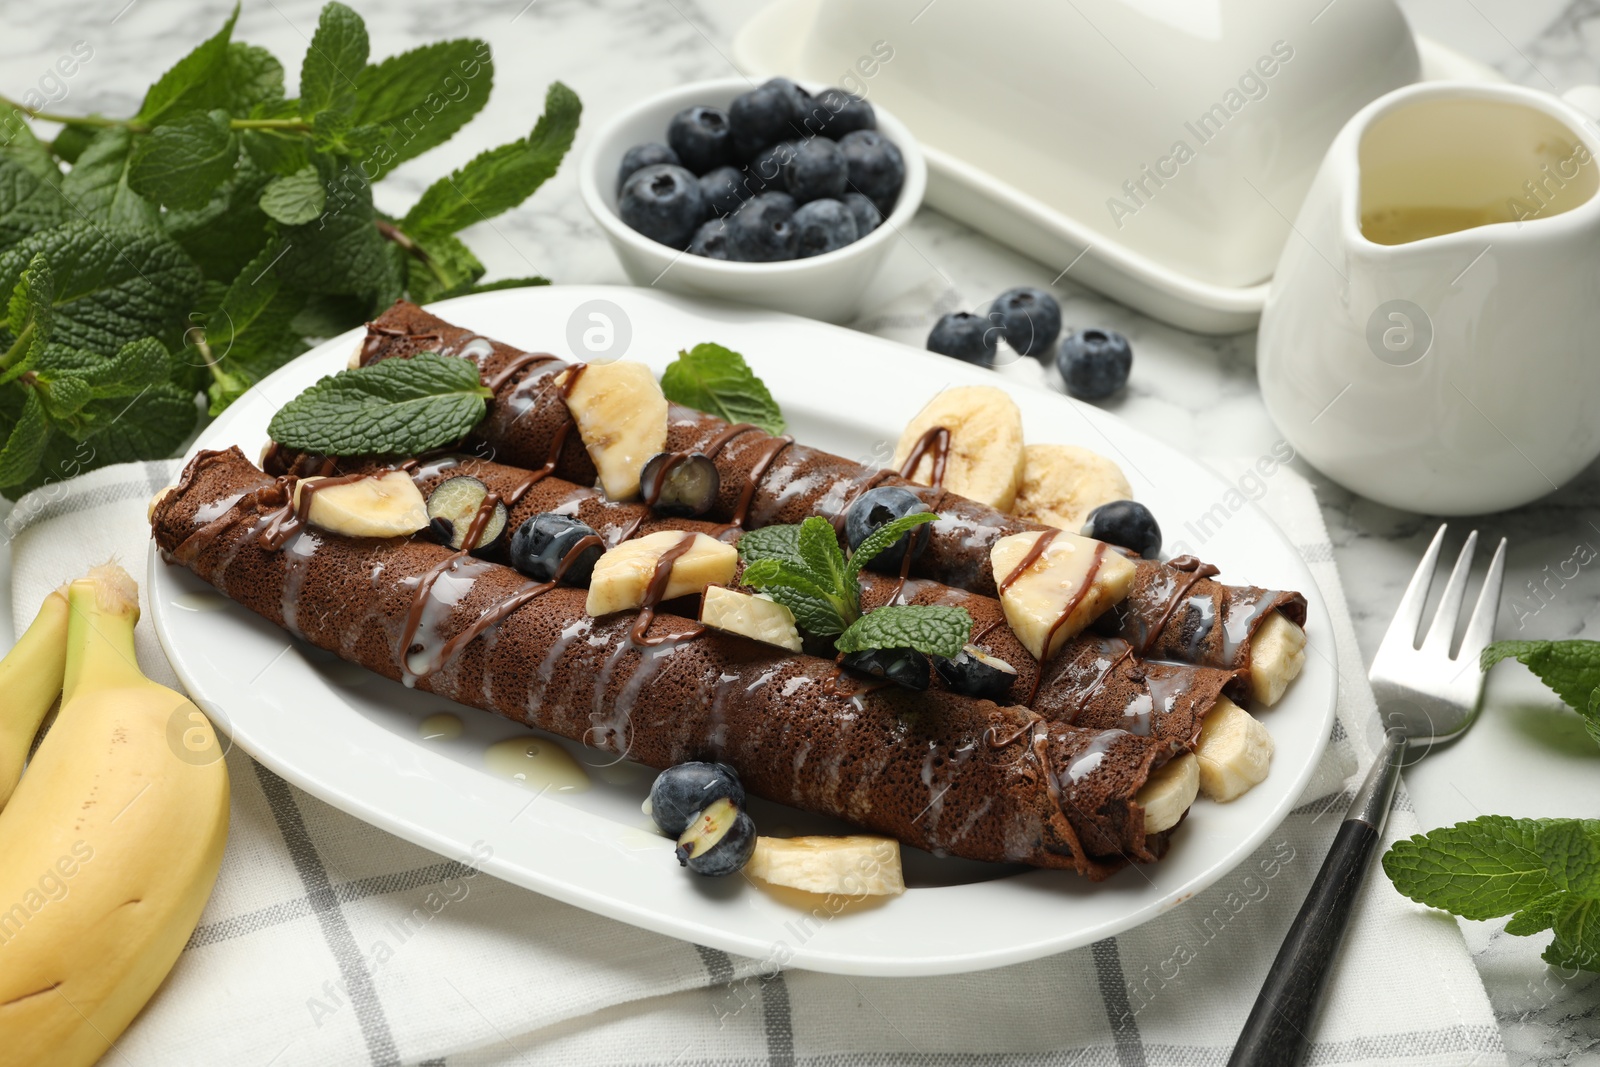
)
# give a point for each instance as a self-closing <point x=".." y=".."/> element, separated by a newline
<point x="330" y="942"/>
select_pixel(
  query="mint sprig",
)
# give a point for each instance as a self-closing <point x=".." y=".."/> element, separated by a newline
<point x="719" y="382"/>
<point x="803" y="568"/>
<point x="1570" y="668"/>
<point x="1544" y="873"/>
<point x="395" y="406"/>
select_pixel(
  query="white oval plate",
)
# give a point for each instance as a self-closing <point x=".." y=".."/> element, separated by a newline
<point x="354" y="740"/>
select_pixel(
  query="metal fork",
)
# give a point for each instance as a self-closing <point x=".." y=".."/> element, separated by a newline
<point x="1426" y="696"/>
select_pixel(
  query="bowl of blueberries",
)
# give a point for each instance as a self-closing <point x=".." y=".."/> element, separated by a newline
<point x="774" y="194"/>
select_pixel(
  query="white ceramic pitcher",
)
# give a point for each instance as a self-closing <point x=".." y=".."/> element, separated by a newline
<point x="1432" y="335"/>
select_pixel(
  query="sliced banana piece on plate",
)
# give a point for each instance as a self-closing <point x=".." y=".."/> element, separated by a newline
<point x="1277" y="654"/>
<point x="1234" y="752"/>
<point x="1061" y="484"/>
<point x="757" y="617"/>
<point x="622" y="417"/>
<point x="388" y="505"/>
<point x="1049" y="596"/>
<point x="622" y="576"/>
<point x="983" y="460"/>
<point x="856" y="865"/>
<point x="1169" y="792"/>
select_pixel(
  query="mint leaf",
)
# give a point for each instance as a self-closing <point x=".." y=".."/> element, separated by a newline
<point x="781" y="543"/>
<point x="1577" y="940"/>
<point x="295" y="199"/>
<point x="1570" y="849"/>
<point x="884" y="536"/>
<point x="97" y="186"/>
<point x="28" y="318"/>
<point x="230" y="229"/>
<point x="129" y="372"/>
<point x="1479" y="869"/>
<point x="398" y="406"/>
<point x="18" y="144"/>
<point x="444" y="267"/>
<point x="27" y="203"/>
<point x="1536" y="917"/>
<point x="337" y="55"/>
<point x="818" y="546"/>
<point x="252" y="75"/>
<point x="1570" y="668"/>
<point x="936" y="629"/>
<point x="343" y="253"/>
<point x="508" y="283"/>
<point x="719" y="382"/>
<point x="19" y="458"/>
<point x="500" y="178"/>
<point x="72" y="140"/>
<point x="419" y="99"/>
<point x="183" y="162"/>
<point x="251" y="333"/>
<point x="192" y="81"/>
<point x="816" y="609"/>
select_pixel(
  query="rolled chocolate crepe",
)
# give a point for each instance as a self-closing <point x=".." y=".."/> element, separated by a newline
<point x="934" y="770"/>
<point x="1093" y="681"/>
<point x="1175" y="611"/>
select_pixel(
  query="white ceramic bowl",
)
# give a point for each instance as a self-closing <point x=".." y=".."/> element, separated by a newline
<point x="829" y="286"/>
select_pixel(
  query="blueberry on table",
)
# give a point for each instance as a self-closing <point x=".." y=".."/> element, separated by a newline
<point x="878" y="507"/>
<point x="1029" y="318"/>
<point x="700" y="136"/>
<point x="644" y="155"/>
<point x="903" y="666"/>
<point x="818" y="171"/>
<point x="874" y="167"/>
<point x="719" y="841"/>
<point x="1094" y="363"/>
<point x="724" y="190"/>
<point x="866" y="213"/>
<point x="550" y="547"/>
<point x="762" y="230"/>
<point x="973" y="672"/>
<point x="680" y="485"/>
<point x="682" y="790"/>
<point x="762" y="117"/>
<point x="822" y="226"/>
<point x="1126" y="523"/>
<point x="664" y="203"/>
<point x="965" y="336"/>
<point x="844" y="113"/>
<point x="711" y="240"/>
<point x="459" y="504"/>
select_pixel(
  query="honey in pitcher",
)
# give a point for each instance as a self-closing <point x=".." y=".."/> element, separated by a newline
<point x="1400" y="225"/>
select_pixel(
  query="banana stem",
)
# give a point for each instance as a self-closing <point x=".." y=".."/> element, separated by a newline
<point x="105" y="607"/>
<point x="30" y="678"/>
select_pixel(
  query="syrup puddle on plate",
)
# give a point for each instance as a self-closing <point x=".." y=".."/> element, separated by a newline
<point x="441" y="727"/>
<point x="537" y="764"/>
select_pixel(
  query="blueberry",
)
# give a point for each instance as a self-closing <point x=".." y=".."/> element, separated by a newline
<point x="711" y="240"/>
<point x="762" y="117"/>
<point x="879" y="507"/>
<point x="761" y="231"/>
<point x="719" y="841"/>
<point x="1126" y="523"/>
<point x="1029" y="318"/>
<point x="700" y="137"/>
<point x="822" y="226"/>
<point x="664" y="203"/>
<point x="677" y="484"/>
<point x="802" y="105"/>
<point x="818" y="171"/>
<point x="644" y="155"/>
<point x="866" y="213"/>
<point x="965" y="336"/>
<point x="766" y="170"/>
<point x="902" y="666"/>
<point x="973" y="672"/>
<point x="681" y="791"/>
<point x="723" y="190"/>
<point x="1095" y="363"/>
<point x="453" y="509"/>
<point x="875" y="167"/>
<point x="844" y="113"/>
<point x="550" y="547"/>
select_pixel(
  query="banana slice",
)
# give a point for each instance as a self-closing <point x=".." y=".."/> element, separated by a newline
<point x="757" y="617"/>
<point x="1234" y="752"/>
<point x="622" y="417"/>
<point x="155" y="502"/>
<point x="355" y="356"/>
<point x="623" y="575"/>
<point x="857" y="865"/>
<point x="386" y="506"/>
<point x="984" y="459"/>
<point x="1169" y="792"/>
<point x="1065" y="588"/>
<point x="1277" y="653"/>
<point x="1061" y="484"/>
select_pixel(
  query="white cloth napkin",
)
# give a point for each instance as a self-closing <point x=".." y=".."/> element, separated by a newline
<point x="329" y="941"/>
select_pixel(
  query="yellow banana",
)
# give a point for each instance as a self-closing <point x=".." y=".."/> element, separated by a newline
<point x="110" y="845"/>
<point x="30" y="681"/>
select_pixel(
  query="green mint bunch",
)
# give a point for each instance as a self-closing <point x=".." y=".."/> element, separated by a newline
<point x="1570" y="668"/>
<point x="188" y="250"/>
<point x="803" y="568"/>
<point x="719" y="382"/>
<point x="1544" y="873"/>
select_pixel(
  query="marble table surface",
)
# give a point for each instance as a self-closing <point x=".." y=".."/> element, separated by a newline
<point x="1526" y="757"/>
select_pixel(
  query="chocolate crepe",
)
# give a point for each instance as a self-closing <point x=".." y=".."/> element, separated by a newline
<point x="935" y="770"/>
<point x="1172" y="613"/>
